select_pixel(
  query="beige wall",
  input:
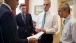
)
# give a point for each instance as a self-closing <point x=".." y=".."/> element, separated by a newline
<point x="32" y="4"/>
<point x="1" y="2"/>
<point x="74" y="2"/>
<point x="57" y="35"/>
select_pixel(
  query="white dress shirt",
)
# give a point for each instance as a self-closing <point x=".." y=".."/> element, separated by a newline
<point x="69" y="30"/>
<point x="51" y="22"/>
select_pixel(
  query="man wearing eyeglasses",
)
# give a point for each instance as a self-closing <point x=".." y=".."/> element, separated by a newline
<point x="47" y="22"/>
<point x="69" y="29"/>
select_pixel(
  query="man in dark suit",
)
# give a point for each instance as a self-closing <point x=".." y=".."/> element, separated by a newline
<point x="8" y="27"/>
<point x="24" y="22"/>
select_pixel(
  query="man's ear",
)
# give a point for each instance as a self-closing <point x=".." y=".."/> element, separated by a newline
<point x="66" y="10"/>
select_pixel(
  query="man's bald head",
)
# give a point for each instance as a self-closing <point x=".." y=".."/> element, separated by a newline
<point x="12" y="3"/>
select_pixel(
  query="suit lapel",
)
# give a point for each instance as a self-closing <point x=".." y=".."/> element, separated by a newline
<point x="26" y="18"/>
<point x="5" y="6"/>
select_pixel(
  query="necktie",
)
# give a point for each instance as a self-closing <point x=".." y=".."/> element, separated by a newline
<point x="24" y="18"/>
<point x="43" y="20"/>
<point x="63" y="26"/>
<point x="64" y="22"/>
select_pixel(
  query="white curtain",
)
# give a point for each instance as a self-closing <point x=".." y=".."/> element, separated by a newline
<point x="17" y="9"/>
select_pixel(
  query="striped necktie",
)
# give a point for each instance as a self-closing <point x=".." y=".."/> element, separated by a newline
<point x="43" y="20"/>
<point x="62" y="26"/>
<point x="64" y="22"/>
<point x="24" y="18"/>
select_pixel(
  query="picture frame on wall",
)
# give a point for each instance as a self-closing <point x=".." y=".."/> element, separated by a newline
<point x="38" y="9"/>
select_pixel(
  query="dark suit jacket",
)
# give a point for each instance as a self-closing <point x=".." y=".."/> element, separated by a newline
<point x="26" y="29"/>
<point x="8" y="27"/>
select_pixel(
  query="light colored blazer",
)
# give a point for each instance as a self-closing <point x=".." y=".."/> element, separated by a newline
<point x="51" y="22"/>
<point x="69" y="32"/>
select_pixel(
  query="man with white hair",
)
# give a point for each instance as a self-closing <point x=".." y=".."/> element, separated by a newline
<point x="47" y="22"/>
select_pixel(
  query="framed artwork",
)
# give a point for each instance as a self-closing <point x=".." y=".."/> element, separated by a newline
<point x="38" y="9"/>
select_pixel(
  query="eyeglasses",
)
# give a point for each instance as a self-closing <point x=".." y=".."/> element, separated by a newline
<point x="46" y="4"/>
<point x="60" y="10"/>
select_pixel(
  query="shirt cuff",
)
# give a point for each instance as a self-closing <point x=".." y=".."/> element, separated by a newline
<point x="28" y="40"/>
<point x="47" y="32"/>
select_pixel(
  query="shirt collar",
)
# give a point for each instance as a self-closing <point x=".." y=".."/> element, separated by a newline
<point x="47" y="12"/>
<point x="7" y="6"/>
<point x="67" y="18"/>
<point x="23" y="14"/>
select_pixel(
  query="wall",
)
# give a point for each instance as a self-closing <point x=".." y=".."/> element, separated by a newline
<point x="54" y="8"/>
<point x="32" y="4"/>
<point x="17" y="9"/>
<point x="70" y="2"/>
<point x="74" y="2"/>
<point x="1" y="2"/>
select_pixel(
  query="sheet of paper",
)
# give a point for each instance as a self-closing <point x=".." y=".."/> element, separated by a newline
<point x="36" y="35"/>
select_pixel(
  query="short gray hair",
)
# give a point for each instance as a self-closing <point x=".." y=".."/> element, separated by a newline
<point x="66" y="6"/>
<point x="49" y="1"/>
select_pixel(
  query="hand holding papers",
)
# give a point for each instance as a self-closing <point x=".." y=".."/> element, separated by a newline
<point x="36" y="36"/>
<point x="40" y="29"/>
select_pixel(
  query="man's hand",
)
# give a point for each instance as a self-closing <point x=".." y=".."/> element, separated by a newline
<point x="33" y="40"/>
<point x="32" y="34"/>
<point x="42" y="29"/>
<point x="37" y="29"/>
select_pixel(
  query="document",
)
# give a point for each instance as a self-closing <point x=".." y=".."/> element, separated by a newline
<point x="36" y="35"/>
